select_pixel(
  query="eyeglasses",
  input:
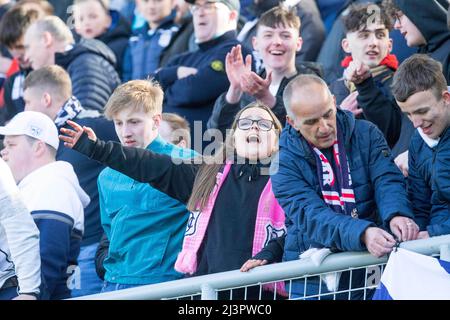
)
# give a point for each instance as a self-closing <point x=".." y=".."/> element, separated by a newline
<point x="263" y="124"/>
<point x="398" y="15"/>
<point x="207" y="7"/>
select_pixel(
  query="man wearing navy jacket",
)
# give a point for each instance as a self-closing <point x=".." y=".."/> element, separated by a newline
<point x="193" y="81"/>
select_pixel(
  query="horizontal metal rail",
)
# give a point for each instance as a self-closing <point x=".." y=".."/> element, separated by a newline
<point x="269" y="273"/>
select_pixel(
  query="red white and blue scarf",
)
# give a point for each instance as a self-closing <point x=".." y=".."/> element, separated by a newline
<point x="335" y="179"/>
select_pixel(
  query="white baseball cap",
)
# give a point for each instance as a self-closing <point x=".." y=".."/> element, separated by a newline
<point x="33" y="124"/>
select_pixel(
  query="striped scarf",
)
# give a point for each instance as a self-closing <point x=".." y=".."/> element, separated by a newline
<point x="335" y="179"/>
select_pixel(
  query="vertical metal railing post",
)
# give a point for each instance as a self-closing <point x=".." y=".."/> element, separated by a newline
<point x="208" y="292"/>
<point x="445" y="252"/>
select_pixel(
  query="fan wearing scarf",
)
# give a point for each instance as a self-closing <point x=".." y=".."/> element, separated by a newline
<point x="364" y="88"/>
<point x="336" y="182"/>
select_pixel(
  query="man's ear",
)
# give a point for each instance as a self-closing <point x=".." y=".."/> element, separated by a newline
<point x="234" y="15"/>
<point x="48" y="38"/>
<point x="290" y="121"/>
<point x="346" y="46"/>
<point x="446" y="97"/>
<point x="47" y="99"/>
<point x="299" y="43"/>
<point x="390" y="45"/>
<point x="39" y="147"/>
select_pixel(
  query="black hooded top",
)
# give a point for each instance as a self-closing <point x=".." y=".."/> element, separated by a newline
<point x="116" y="37"/>
<point x="430" y="17"/>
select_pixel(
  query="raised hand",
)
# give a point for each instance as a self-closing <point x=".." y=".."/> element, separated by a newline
<point x="258" y="87"/>
<point x="236" y="67"/>
<point x="357" y="72"/>
<point x="71" y="137"/>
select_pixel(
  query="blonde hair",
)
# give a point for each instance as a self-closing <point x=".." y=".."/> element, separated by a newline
<point x="180" y="126"/>
<point x="140" y="95"/>
<point x="56" y="27"/>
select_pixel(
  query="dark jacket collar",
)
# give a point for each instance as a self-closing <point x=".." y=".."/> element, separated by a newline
<point x="230" y="35"/>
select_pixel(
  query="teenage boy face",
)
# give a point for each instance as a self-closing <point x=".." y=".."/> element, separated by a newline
<point x="154" y="11"/>
<point x="428" y="113"/>
<point x="369" y="45"/>
<point x="136" y="128"/>
<point x="277" y="46"/>
<point x="91" y="19"/>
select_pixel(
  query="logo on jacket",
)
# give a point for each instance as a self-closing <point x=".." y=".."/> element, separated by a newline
<point x="217" y="65"/>
<point x="191" y="227"/>
<point x="272" y="232"/>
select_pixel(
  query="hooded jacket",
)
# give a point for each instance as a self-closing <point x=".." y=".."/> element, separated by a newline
<point x="56" y="202"/>
<point x="378" y="185"/>
<point x="430" y="17"/>
<point x="91" y="66"/>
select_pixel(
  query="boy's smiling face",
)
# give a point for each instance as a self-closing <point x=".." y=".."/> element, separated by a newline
<point x="277" y="46"/>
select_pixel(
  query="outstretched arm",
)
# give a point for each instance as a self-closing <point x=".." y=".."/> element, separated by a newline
<point x="165" y="173"/>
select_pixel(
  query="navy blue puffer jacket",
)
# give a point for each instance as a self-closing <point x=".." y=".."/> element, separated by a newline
<point x="91" y="66"/>
<point x="431" y="213"/>
<point x="379" y="188"/>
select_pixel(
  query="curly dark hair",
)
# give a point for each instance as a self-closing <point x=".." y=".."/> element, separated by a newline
<point x="359" y="15"/>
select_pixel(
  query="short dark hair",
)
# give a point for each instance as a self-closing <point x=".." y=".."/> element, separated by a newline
<point x="418" y="73"/>
<point x="359" y="15"/>
<point x="15" y="23"/>
<point x="280" y="16"/>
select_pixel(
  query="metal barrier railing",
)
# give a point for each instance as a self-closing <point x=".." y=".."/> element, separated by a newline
<point x="243" y="285"/>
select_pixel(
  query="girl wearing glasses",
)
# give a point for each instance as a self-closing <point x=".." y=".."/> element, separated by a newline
<point x="234" y="213"/>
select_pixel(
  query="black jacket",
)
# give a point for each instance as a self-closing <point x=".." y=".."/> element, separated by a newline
<point x="100" y="256"/>
<point x="116" y="38"/>
<point x="13" y="95"/>
<point x="91" y="66"/>
<point x="380" y="108"/>
<point x="430" y="18"/>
